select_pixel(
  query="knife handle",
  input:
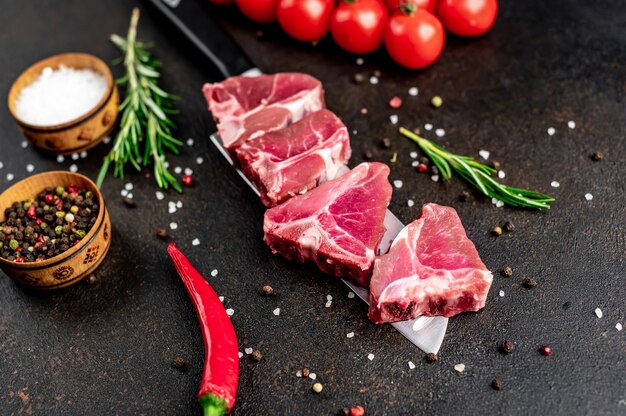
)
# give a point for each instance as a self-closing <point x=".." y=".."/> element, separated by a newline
<point x="191" y="19"/>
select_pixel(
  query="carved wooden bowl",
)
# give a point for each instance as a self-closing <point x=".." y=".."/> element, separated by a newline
<point x="81" y="133"/>
<point x="77" y="262"/>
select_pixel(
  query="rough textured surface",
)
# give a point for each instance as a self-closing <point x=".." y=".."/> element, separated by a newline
<point x="107" y="348"/>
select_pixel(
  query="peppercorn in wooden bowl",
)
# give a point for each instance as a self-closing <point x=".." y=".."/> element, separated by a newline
<point x="88" y="127"/>
<point x="82" y="257"/>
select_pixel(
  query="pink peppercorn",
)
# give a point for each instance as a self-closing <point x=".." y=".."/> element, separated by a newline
<point x="187" y="180"/>
<point x="422" y="168"/>
<point x="395" y="102"/>
<point x="357" y="411"/>
<point x="545" y="350"/>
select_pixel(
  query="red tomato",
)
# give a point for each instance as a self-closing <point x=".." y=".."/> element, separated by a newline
<point x="358" y="26"/>
<point x="468" y="17"/>
<point x="221" y="1"/>
<point x="428" y="5"/>
<point x="414" y="40"/>
<point x="263" y="11"/>
<point x="305" y="20"/>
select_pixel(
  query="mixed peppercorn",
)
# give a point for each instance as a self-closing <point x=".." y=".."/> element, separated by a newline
<point x="38" y="229"/>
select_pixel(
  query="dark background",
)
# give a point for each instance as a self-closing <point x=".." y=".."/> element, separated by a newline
<point x="107" y="348"/>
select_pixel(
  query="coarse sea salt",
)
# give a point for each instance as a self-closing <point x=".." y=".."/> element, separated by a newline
<point x="411" y="365"/>
<point x="240" y="354"/>
<point x="75" y="156"/>
<point x="413" y="91"/>
<point x="188" y="171"/>
<point x="312" y="376"/>
<point x="413" y="155"/>
<point x="459" y="368"/>
<point x="370" y="356"/>
<point x="555" y="184"/>
<point x="277" y="311"/>
<point x="551" y="131"/>
<point x="248" y="350"/>
<point x="393" y="118"/>
<point x="73" y="168"/>
<point x="501" y="174"/>
<point x="618" y="326"/>
<point x="501" y="293"/>
<point x="440" y="132"/>
<point x="29" y="168"/>
<point x="588" y="197"/>
<point x="199" y="160"/>
<point x="397" y="183"/>
<point x="24" y="144"/>
<point x="230" y="312"/>
<point x="373" y="80"/>
<point x="410" y="202"/>
<point x="351" y="295"/>
<point x="428" y="126"/>
<point x="195" y="242"/>
<point x="484" y="154"/>
<point x="159" y="195"/>
<point x="60" y="158"/>
<point x="214" y="272"/>
<point x="190" y="142"/>
<point x="350" y="335"/>
<point x="60" y="95"/>
<point x="10" y="177"/>
<point x="173" y="225"/>
<point x="571" y="124"/>
<point x="598" y="312"/>
<point x="1" y="165"/>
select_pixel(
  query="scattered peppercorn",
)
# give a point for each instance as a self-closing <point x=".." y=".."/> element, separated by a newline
<point x="496" y="231"/>
<point x="434" y="170"/>
<point x="377" y="73"/>
<point x="545" y="350"/>
<point x="395" y="102"/>
<point x="305" y="372"/>
<point x="267" y="290"/>
<point x="509" y="227"/>
<point x="256" y="356"/>
<point x="358" y="78"/>
<point x="187" y="180"/>
<point x="436" y="101"/>
<point x="317" y="388"/>
<point x="179" y="363"/>
<point x="464" y="197"/>
<point x="364" y="111"/>
<point x="597" y="156"/>
<point x="496" y="384"/>
<point x="129" y="202"/>
<point x="495" y="164"/>
<point x="431" y="357"/>
<point x="91" y="279"/>
<point x="422" y="168"/>
<point x="368" y="155"/>
<point x="386" y="143"/>
<point x="507" y="346"/>
<point x="507" y="271"/>
<point x="344" y="412"/>
<point x="530" y="283"/>
<point x="417" y="131"/>
<point x="162" y="233"/>
<point x="357" y="411"/>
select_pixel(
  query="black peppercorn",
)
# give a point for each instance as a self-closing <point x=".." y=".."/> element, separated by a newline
<point x="530" y="283"/>
<point x="431" y="357"/>
<point x="507" y="346"/>
<point x="496" y="384"/>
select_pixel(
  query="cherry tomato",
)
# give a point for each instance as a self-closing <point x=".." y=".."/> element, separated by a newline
<point x="428" y="5"/>
<point x="468" y="17"/>
<point x="305" y="20"/>
<point x="414" y="40"/>
<point x="221" y="1"/>
<point x="358" y="26"/>
<point x="263" y="11"/>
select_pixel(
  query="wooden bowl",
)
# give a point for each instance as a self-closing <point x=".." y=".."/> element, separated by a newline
<point x="77" y="262"/>
<point x="79" y="134"/>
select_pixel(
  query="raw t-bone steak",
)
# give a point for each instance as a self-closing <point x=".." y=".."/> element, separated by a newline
<point x="247" y="107"/>
<point x="338" y="225"/>
<point x="297" y="158"/>
<point x="432" y="268"/>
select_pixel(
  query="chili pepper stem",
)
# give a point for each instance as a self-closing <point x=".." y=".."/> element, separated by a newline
<point x="213" y="405"/>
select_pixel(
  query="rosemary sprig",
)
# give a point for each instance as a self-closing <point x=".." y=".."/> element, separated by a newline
<point x="477" y="174"/>
<point x="145" y="127"/>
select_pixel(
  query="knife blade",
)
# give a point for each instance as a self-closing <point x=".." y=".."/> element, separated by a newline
<point x="191" y="20"/>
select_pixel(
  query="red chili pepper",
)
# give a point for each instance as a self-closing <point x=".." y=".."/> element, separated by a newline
<point x="72" y="189"/>
<point x="218" y="387"/>
<point x="32" y="211"/>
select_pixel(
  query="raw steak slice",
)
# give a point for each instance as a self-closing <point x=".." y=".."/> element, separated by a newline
<point x="432" y="268"/>
<point x="245" y="107"/>
<point x="338" y="225"/>
<point x="297" y="158"/>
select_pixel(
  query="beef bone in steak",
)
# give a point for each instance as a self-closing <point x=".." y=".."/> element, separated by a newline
<point x="246" y="107"/>
<point x="432" y="268"/>
<point x="338" y="225"/>
<point x="297" y="158"/>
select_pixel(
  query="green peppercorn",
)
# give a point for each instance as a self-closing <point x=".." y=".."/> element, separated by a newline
<point x="60" y="214"/>
<point x="436" y="101"/>
<point x="58" y="229"/>
<point x="59" y="191"/>
<point x="14" y="244"/>
<point x="74" y="209"/>
<point x="43" y="225"/>
<point x="88" y="194"/>
<point x="80" y="234"/>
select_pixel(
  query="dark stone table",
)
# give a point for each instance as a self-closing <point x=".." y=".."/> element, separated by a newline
<point x="107" y="348"/>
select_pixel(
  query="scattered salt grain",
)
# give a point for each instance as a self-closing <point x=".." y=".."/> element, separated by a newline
<point x="190" y="142"/>
<point x="555" y="184"/>
<point x="499" y="204"/>
<point x="240" y="354"/>
<point x="60" y="158"/>
<point x="571" y="124"/>
<point x="277" y="311"/>
<point x="10" y="177"/>
<point x="588" y="197"/>
<point x="354" y="132"/>
<point x="178" y="170"/>
<point x="221" y="299"/>
<point x="171" y="210"/>
<point x="312" y="376"/>
<point x="350" y="335"/>
<point x="24" y="144"/>
<point x="214" y="272"/>
<point x="329" y="297"/>
<point x="248" y="351"/>
<point x="359" y="61"/>
<point x="410" y="202"/>
<point x="179" y="204"/>
<point x="29" y="168"/>
<point x="459" y="368"/>
<point x="75" y="156"/>
<point x="199" y="160"/>
<point x="618" y="326"/>
<point x="598" y="312"/>
<point x="411" y="365"/>
<point x="107" y="140"/>
<point x="413" y="91"/>
<point x="195" y="242"/>
<point x="173" y="225"/>
<point x="393" y="118"/>
<point x="328" y="303"/>
<point x="83" y="154"/>
<point x="415" y="163"/>
<point x="428" y="126"/>
<point x="129" y="186"/>
<point x="434" y="178"/>
<point x="370" y="356"/>
<point x="397" y="183"/>
<point x="1" y="165"/>
<point x="440" y="132"/>
<point x="551" y="131"/>
<point x="351" y="295"/>
<point x="73" y="168"/>
<point x="373" y="80"/>
<point x="124" y="192"/>
<point x="501" y="293"/>
<point x="166" y="164"/>
<point x="61" y="95"/>
<point x="230" y="312"/>
<point x="484" y="154"/>
<point x="413" y="155"/>
<point x="299" y="373"/>
<point x="130" y="195"/>
<point x="159" y="195"/>
<point x="188" y="171"/>
<point x="501" y="174"/>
